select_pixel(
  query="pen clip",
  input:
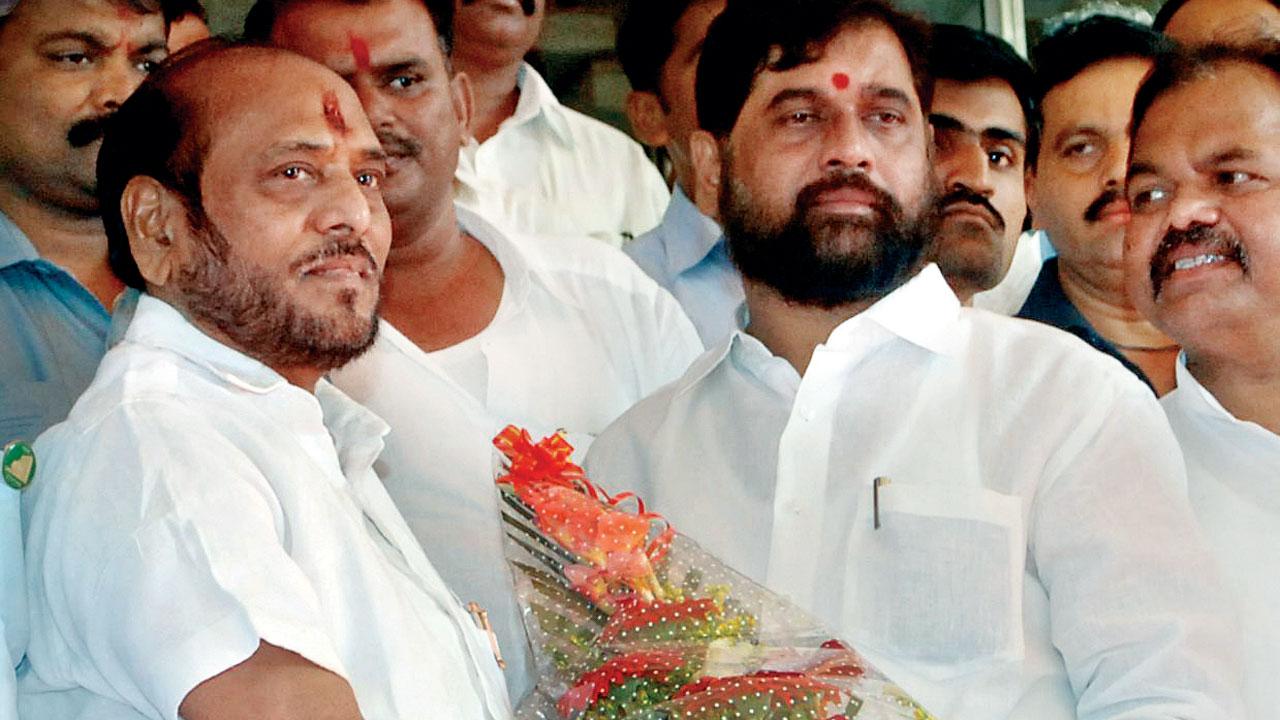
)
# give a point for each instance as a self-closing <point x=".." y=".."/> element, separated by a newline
<point x="481" y="618"/>
<point x="875" y="500"/>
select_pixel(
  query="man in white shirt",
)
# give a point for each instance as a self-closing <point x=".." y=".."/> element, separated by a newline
<point x="208" y="538"/>
<point x="483" y="328"/>
<point x="1204" y="235"/>
<point x="991" y="511"/>
<point x="13" y="599"/>
<point x="532" y="164"/>
<point x="659" y="43"/>
<point x="984" y="128"/>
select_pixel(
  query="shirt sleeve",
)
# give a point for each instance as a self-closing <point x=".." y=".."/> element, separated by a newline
<point x="162" y="556"/>
<point x="1134" y="596"/>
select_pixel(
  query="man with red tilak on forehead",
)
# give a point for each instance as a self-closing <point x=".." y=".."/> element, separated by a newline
<point x="209" y="539"/>
<point x="988" y="509"/>
<point x="483" y="328"/>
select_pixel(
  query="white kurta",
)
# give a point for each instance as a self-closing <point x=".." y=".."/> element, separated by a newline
<point x="13" y="599"/>
<point x="551" y="171"/>
<point x="1036" y="555"/>
<point x="580" y="335"/>
<point x="1233" y="475"/>
<point x="194" y="504"/>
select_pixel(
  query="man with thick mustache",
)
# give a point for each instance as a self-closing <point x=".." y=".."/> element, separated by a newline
<point x="483" y="328"/>
<point x="991" y="511"/>
<point x="1087" y="73"/>
<point x="209" y="539"/>
<point x="984" y="126"/>
<point x="1203" y="262"/>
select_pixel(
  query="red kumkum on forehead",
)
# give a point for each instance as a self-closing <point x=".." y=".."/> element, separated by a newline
<point x="359" y="51"/>
<point x="840" y="81"/>
<point x="332" y="113"/>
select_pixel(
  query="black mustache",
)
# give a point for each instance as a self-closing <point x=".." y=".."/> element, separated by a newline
<point x="1213" y="240"/>
<point x="884" y="203"/>
<point x="397" y="145"/>
<point x="1095" y="208"/>
<point x="964" y="195"/>
<point x="339" y="247"/>
<point x="86" y="131"/>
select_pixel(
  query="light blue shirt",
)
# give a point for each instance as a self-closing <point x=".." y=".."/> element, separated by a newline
<point x="53" y="334"/>
<point x="687" y="255"/>
<point x="13" y="599"/>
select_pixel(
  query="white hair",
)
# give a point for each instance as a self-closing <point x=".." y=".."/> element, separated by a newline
<point x="1111" y="8"/>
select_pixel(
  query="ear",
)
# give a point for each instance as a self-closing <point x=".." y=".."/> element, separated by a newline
<point x="464" y="102"/>
<point x="1029" y="187"/>
<point x="648" y="120"/>
<point x="704" y="151"/>
<point x="153" y="217"/>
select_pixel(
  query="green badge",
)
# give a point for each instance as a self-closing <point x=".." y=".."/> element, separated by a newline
<point x="18" y="464"/>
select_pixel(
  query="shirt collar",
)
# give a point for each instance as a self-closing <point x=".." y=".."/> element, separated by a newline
<point x="515" y="266"/>
<point x="15" y="247"/>
<point x="689" y="235"/>
<point x="358" y="434"/>
<point x="1047" y="303"/>
<point x="537" y="100"/>
<point x="922" y="312"/>
<point x="158" y="324"/>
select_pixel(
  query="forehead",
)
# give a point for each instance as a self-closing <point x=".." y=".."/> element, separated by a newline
<point x="692" y="26"/>
<point x="867" y="53"/>
<point x="1102" y="95"/>
<point x="1199" y="20"/>
<point x="1189" y="120"/>
<point x="40" y="18"/>
<point x="980" y="105"/>
<point x="330" y="32"/>
<point x="274" y="99"/>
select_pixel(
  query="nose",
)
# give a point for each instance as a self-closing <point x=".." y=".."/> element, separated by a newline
<point x="343" y="208"/>
<point x="1189" y="208"/>
<point x="848" y="145"/>
<point x="376" y="106"/>
<point x="1115" y="164"/>
<point x="965" y="164"/>
<point x="116" y="80"/>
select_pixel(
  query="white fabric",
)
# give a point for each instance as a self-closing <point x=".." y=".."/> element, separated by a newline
<point x="1037" y="557"/>
<point x="1233" y="475"/>
<point x="581" y="335"/>
<point x="687" y="256"/>
<point x="194" y="504"/>
<point x="13" y="599"/>
<point x="1011" y="293"/>
<point x="552" y="171"/>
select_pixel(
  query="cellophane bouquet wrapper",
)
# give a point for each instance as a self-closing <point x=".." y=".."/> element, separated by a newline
<point x="628" y="618"/>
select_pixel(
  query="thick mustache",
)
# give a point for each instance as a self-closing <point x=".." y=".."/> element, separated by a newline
<point x="397" y="145"/>
<point x="1212" y="240"/>
<point x="86" y="131"/>
<point x="353" y="247"/>
<point x="1095" y="208"/>
<point x="883" y="202"/>
<point x="965" y="196"/>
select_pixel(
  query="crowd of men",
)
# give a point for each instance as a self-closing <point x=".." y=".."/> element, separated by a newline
<point x="268" y="300"/>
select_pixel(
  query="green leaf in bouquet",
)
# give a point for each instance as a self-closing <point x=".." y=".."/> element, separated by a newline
<point x="558" y="589"/>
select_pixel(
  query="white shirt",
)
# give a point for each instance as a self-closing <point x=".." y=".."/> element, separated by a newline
<point x="1037" y="557"/>
<point x="194" y="504"/>
<point x="1233" y="475"/>
<point x="580" y="335"/>
<point x="1008" y="297"/>
<point x="688" y="256"/>
<point x="13" y="599"/>
<point x="552" y="171"/>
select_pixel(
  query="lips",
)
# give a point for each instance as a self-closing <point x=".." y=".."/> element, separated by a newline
<point x="341" y="266"/>
<point x="969" y="210"/>
<point x="1192" y="250"/>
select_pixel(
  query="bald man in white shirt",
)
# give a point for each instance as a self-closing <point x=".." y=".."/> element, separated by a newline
<point x="989" y="510"/>
<point x="1203" y="263"/>
<point x="208" y="538"/>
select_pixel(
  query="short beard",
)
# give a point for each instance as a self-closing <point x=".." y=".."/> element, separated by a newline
<point x="826" y="262"/>
<point x="248" y="306"/>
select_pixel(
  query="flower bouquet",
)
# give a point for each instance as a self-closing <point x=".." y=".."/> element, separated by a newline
<point x="630" y="619"/>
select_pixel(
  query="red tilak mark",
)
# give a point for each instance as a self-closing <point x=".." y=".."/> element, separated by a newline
<point x="359" y="51"/>
<point x="840" y="80"/>
<point x="332" y="114"/>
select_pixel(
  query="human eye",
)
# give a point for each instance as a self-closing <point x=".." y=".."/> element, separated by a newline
<point x="1236" y="180"/>
<point x="1001" y="157"/>
<point x="71" y="58"/>
<point x="295" y="172"/>
<point x="1079" y="149"/>
<point x="887" y="118"/>
<point x="371" y="179"/>
<point x="403" y="81"/>
<point x="800" y="117"/>
<point x="1147" y="198"/>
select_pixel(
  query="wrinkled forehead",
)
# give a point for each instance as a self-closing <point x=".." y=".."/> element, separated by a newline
<point x="1228" y="109"/>
<point x="349" y="37"/>
<point x="85" y="14"/>
<point x="865" y="54"/>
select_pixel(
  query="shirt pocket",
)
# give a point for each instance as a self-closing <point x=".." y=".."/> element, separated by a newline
<point x="939" y="583"/>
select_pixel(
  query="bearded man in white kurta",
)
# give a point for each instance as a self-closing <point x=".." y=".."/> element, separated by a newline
<point x="994" y="514"/>
<point x="1203" y="264"/>
<point x="208" y="538"/>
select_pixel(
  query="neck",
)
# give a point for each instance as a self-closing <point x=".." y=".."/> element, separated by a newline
<point x="792" y="331"/>
<point x="495" y="94"/>
<point x="1107" y="307"/>
<point x="1247" y="384"/>
<point x="304" y="377"/>
<point x="74" y="241"/>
